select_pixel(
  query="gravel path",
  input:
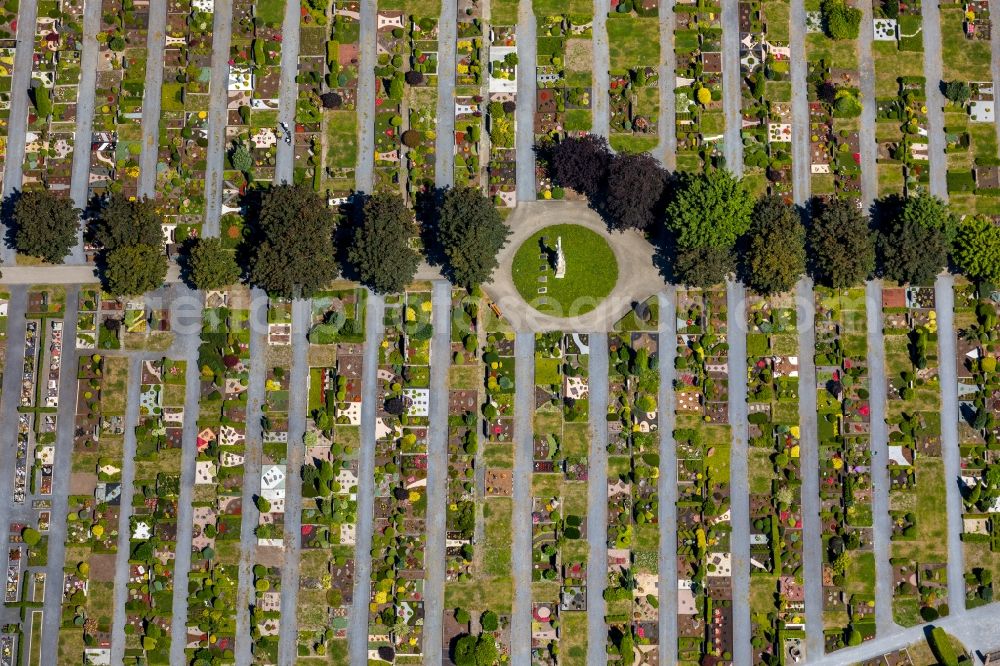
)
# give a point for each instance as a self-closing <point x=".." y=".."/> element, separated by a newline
<point x="667" y="486"/>
<point x="597" y="503"/>
<point x="801" y="159"/>
<point x="869" y="150"/>
<point x="601" y="119"/>
<point x="65" y="427"/>
<point x="525" y="112"/>
<point x="358" y="629"/>
<point x="731" y="94"/>
<point x="298" y="403"/>
<point x="245" y="595"/>
<point x="812" y="535"/>
<point x="524" y="408"/>
<point x="80" y="180"/>
<point x="284" y="161"/>
<point x="19" y="103"/>
<point x="935" y="100"/>
<point x="666" y="151"/>
<point x="128" y="491"/>
<point x="444" y="148"/>
<point x="437" y="473"/>
<point x="944" y="298"/>
<point x="155" y="45"/>
<point x="739" y="480"/>
<point x="364" y="175"/>
<point x="218" y="112"/>
<point x="882" y="523"/>
<point x="186" y="347"/>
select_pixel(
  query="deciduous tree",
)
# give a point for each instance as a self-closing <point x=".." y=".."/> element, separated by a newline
<point x="581" y="163"/>
<point x="380" y="251"/>
<point x="471" y="234"/>
<point x="45" y="226"/>
<point x="709" y="210"/>
<point x="124" y="222"/>
<point x="636" y="183"/>
<point x="841" y="244"/>
<point x="210" y="265"/>
<point x="775" y="255"/>
<point x="977" y="249"/>
<point x="134" y="269"/>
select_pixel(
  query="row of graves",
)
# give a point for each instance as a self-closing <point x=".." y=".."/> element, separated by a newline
<point x="502" y="72"/>
<point x="700" y="119"/>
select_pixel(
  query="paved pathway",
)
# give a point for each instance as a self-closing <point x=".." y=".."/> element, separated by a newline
<point x="597" y="503"/>
<point x="358" y="630"/>
<point x="739" y="480"/>
<point x="666" y="151"/>
<point x="935" y="100"/>
<point x="80" y="181"/>
<point x="524" y="118"/>
<point x="437" y="473"/>
<point x="19" y="103"/>
<point x="601" y="120"/>
<point x="869" y="149"/>
<point x="284" y="161"/>
<point x="944" y="299"/>
<point x="245" y="594"/>
<point x="444" y="148"/>
<point x="156" y="43"/>
<point x="667" y="484"/>
<point x="128" y="491"/>
<point x="218" y="115"/>
<point x="881" y="522"/>
<point x="638" y="279"/>
<point x="9" y="401"/>
<point x="812" y="534"/>
<point x="800" y="106"/>
<point x="731" y="93"/>
<point x="364" y="175"/>
<point x="186" y="347"/>
<point x="524" y="408"/>
<point x="65" y="427"/>
<point x="298" y="404"/>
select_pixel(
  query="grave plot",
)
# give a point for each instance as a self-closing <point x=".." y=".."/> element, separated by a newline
<point x="265" y="615"/>
<point x="224" y="357"/>
<point x="834" y="100"/>
<point x="153" y="523"/>
<point x="766" y="94"/>
<point x="916" y="472"/>
<point x="776" y="593"/>
<point x="396" y="611"/>
<point x="501" y="121"/>
<point x="470" y="91"/>
<point x="420" y="130"/>
<point x="183" y="137"/>
<point x="559" y="546"/>
<point x="8" y="44"/>
<point x="563" y="87"/>
<point x="703" y="439"/>
<point x="338" y="99"/>
<point x="114" y="324"/>
<point x="121" y="81"/>
<point x="330" y="474"/>
<point x="32" y="467"/>
<point x="94" y="505"/>
<point x="973" y="177"/>
<point x="700" y="120"/>
<point x="634" y="41"/>
<point x="844" y="433"/>
<point x="632" y="592"/>
<point x="391" y="46"/>
<point x="311" y="70"/>
<point x="49" y="143"/>
<point x="976" y="322"/>
<point x="489" y="587"/>
<point x="464" y="405"/>
<point x="252" y="130"/>
<point x="4" y="302"/>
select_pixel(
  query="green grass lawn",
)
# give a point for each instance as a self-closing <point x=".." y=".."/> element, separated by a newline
<point x="633" y="143"/>
<point x="583" y="287"/>
<point x="633" y="42"/>
<point x="963" y="59"/>
<point x="272" y="12"/>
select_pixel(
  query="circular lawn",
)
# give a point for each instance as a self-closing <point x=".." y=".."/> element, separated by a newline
<point x="591" y="270"/>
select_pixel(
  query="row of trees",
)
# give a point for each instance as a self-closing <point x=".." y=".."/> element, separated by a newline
<point x="293" y="242"/>
<point x="709" y="225"/>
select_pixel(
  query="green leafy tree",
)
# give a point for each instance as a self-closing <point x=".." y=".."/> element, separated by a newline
<point x="476" y="650"/>
<point x="709" y="210"/>
<point x="841" y="244"/>
<point x="292" y="253"/>
<point x="210" y="265"/>
<point x="913" y="248"/>
<point x="45" y="226"/>
<point x="775" y="255"/>
<point x="840" y="20"/>
<point x="977" y="249"/>
<point x="133" y="270"/>
<point x="123" y="222"/>
<point x="471" y="233"/>
<point x="241" y="158"/>
<point x="703" y="266"/>
<point x="380" y="251"/>
<point x="958" y="92"/>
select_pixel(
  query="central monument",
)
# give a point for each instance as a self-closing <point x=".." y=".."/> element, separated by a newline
<point x="560" y="260"/>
